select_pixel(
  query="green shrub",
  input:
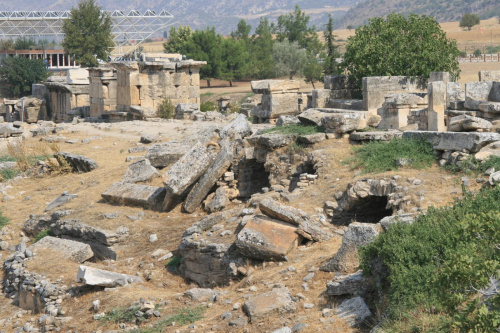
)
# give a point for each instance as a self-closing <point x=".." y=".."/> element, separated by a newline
<point x="474" y="166"/>
<point x="9" y="173"/>
<point x="3" y="220"/>
<point x="183" y="316"/>
<point x="166" y="109"/>
<point x="120" y="315"/>
<point x="296" y="130"/>
<point x="378" y="156"/>
<point x="441" y="261"/>
<point x="42" y="234"/>
<point x="477" y="53"/>
<point x="174" y="262"/>
<point x="208" y="106"/>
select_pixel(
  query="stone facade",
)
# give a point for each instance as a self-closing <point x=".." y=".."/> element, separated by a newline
<point x="142" y="86"/>
<point x="103" y="90"/>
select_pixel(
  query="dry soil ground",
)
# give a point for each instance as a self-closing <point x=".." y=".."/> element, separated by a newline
<point x="31" y="195"/>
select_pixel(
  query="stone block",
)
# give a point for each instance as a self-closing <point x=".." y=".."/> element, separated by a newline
<point x="78" y="76"/>
<point x="467" y="123"/>
<point x="454" y="94"/>
<point x="343" y="122"/>
<point x="140" y="171"/>
<point x="165" y="154"/>
<point x="350" y="284"/>
<point x="338" y="82"/>
<point x="149" y="197"/>
<point x="354" y="311"/>
<point x="375" y="136"/>
<point x="99" y="277"/>
<point x="287" y="121"/>
<point x="239" y="127"/>
<point x="276" y="302"/>
<point x="455" y="141"/>
<point x="271" y="141"/>
<point x="494" y="95"/>
<point x="489" y="76"/>
<point x="282" y="212"/>
<point x="439" y="76"/>
<point x="312" y="138"/>
<point x="184" y="173"/>
<point x="213" y="173"/>
<point x="77" y="162"/>
<point x="320" y="98"/>
<point x="478" y="91"/>
<point x="74" y="251"/>
<point x="267" y="239"/>
<point x="437" y="106"/>
<point x="274" y="86"/>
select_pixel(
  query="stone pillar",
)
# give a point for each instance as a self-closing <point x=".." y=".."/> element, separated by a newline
<point x="439" y="76"/>
<point x="437" y="106"/>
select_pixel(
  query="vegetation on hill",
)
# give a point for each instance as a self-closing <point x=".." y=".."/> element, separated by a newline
<point x="441" y="10"/>
<point x="469" y="20"/>
<point x="442" y="268"/>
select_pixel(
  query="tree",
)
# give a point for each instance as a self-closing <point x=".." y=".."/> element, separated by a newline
<point x="349" y="27"/>
<point x="261" y="51"/>
<point x="289" y="59"/>
<point x="469" y="20"/>
<point x="7" y="44"/>
<point x="330" y="64"/>
<point x="24" y="43"/>
<point x="413" y="46"/>
<point x="205" y="45"/>
<point x="234" y="60"/>
<point x="313" y="70"/>
<point x="242" y="31"/>
<point x="178" y="39"/>
<point x="295" y="27"/>
<point x="17" y="74"/>
<point x="87" y="34"/>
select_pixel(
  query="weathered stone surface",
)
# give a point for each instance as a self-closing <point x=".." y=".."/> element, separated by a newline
<point x="145" y="196"/>
<point x="84" y="232"/>
<point x="60" y="200"/>
<point x="312" y="138"/>
<point x="354" y="311"/>
<point x="351" y="284"/>
<point x="346" y="259"/>
<point x="99" y="277"/>
<point x="212" y="174"/>
<point x="456" y="141"/>
<point x="148" y="138"/>
<point x="278" y="301"/>
<point x="389" y="221"/>
<point x="267" y="239"/>
<point x="467" y="123"/>
<point x="375" y="136"/>
<point x="184" y="173"/>
<point x="493" y="149"/>
<point x="439" y="76"/>
<point x="454" y="94"/>
<point x="437" y="106"/>
<point x="478" y="91"/>
<point x="164" y="154"/>
<point x="338" y="82"/>
<point x="140" y="171"/>
<point x="218" y="202"/>
<point x="185" y="110"/>
<point x="238" y="127"/>
<point x="343" y="122"/>
<point x="284" y="213"/>
<point x="77" y="162"/>
<point x="404" y="100"/>
<point x="489" y="75"/>
<point x="494" y="95"/>
<point x="491" y="107"/>
<point x="287" y="120"/>
<point x="272" y="141"/>
<point x="210" y="220"/>
<point x="74" y="251"/>
<point x="7" y="130"/>
<point x="273" y="86"/>
<point x="200" y="294"/>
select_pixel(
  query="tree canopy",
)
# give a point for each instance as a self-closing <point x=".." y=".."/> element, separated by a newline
<point x="289" y="58"/>
<point x="295" y="27"/>
<point x="178" y="39"/>
<point x="469" y="20"/>
<point x="17" y="74"/>
<point x="87" y="34"/>
<point x="413" y="46"/>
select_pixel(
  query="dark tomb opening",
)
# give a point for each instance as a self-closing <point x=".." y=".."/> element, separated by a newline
<point x="370" y="209"/>
<point x="252" y="177"/>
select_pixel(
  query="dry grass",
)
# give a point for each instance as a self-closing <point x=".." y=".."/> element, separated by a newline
<point x="54" y="266"/>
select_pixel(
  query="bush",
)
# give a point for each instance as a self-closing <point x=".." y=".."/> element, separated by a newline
<point x="296" y="130"/>
<point x="9" y="173"/>
<point x="442" y="260"/>
<point x="208" y="106"/>
<point x="378" y="156"/>
<point x="17" y="74"/>
<point x="187" y="315"/>
<point x="120" y="315"/>
<point x="166" y="109"/>
<point x="474" y="166"/>
<point x="42" y="234"/>
<point x="477" y="53"/>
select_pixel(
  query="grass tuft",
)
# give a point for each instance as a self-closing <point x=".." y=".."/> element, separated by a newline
<point x="183" y="316"/>
<point x="3" y="220"/>
<point x="387" y="156"/>
<point x="120" y="315"/>
<point x="42" y="234"/>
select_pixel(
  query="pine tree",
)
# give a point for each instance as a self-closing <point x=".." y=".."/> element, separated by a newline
<point x="332" y="53"/>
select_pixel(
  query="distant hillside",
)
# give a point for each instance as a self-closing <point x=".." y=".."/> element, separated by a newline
<point x="442" y="10"/>
<point x="223" y="14"/>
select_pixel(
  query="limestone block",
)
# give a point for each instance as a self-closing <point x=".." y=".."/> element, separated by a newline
<point x="455" y="141"/>
<point x="393" y="118"/>
<point x="346" y="259"/>
<point x="467" y="123"/>
<point x="74" y="251"/>
<point x="287" y="121"/>
<point x="261" y="307"/>
<point x="238" y="127"/>
<point x="165" y="154"/>
<point x="78" y="76"/>
<point x="439" y="76"/>
<point x="212" y="174"/>
<point x="494" y="95"/>
<point x="454" y="93"/>
<point x="375" y="136"/>
<point x="284" y="213"/>
<point x="405" y="100"/>
<point x="393" y="83"/>
<point x="267" y="239"/>
<point x="271" y="141"/>
<point x="349" y="284"/>
<point x="195" y="80"/>
<point x="99" y="277"/>
<point x="185" y="172"/>
<point x="140" y="171"/>
<point x="320" y="98"/>
<point x="200" y="294"/>
<point x="493" y="149"/>
<point x="437" y="106"/>
<point x="79" y="163"/>
<point x="82" y="100"/>
<point x="489" y="76"/>
<point x="478" y="91"/>
<point x="354" y="311"/>
<point x="312" y="138"/>
<point x="194" y="92"/>
<point x="180" y="79"/>
<point x="343" y="122"/>
<point x="149" y="197"/>
<point x="270" y="86"/>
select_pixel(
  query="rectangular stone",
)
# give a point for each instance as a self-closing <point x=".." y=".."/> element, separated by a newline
<point x="145" y="196"/>
<point x="455" y="141"/>
<point x="489" y="75"/>
<point x="74" y="251"/>
<point x="270" y="86"/>
<point x="437" y="106"/>
<point x="478" y="91"/>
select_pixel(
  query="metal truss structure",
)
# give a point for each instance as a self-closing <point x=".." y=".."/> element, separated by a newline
<point x="130" y="26"/>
